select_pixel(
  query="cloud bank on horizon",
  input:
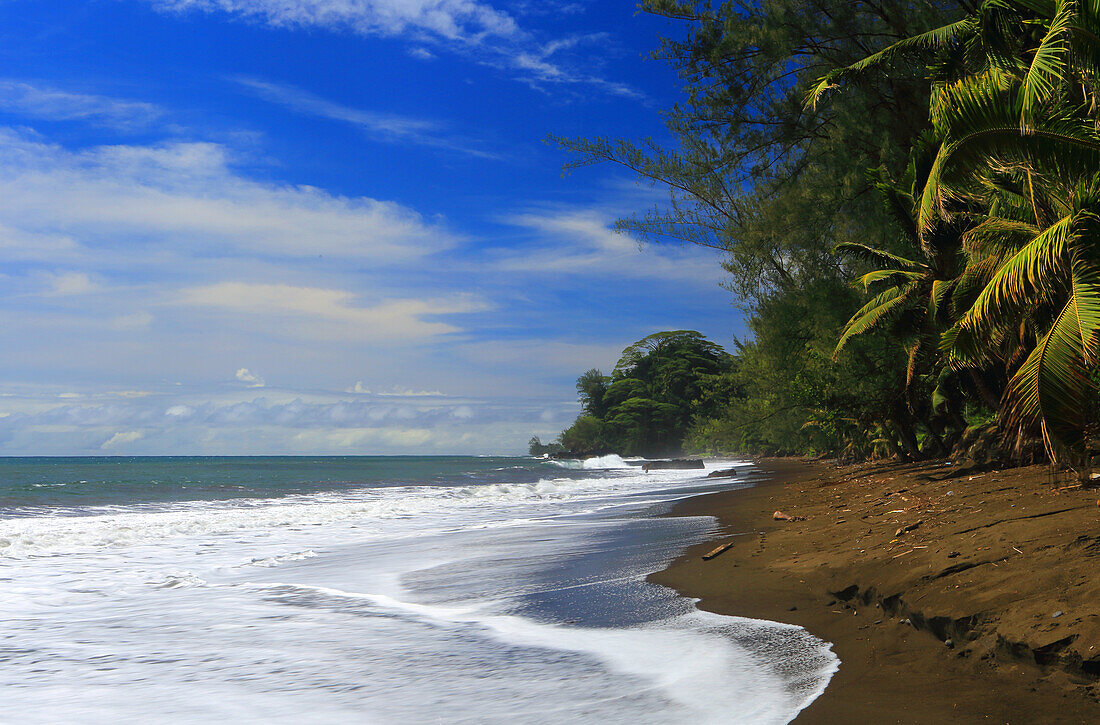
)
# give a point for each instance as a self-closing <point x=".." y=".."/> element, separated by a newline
<point x="209" y="246"/>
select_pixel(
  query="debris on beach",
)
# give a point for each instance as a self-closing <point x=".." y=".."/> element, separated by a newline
<point x="720" y="550"/>
<point x="780" y="516"/>
<point x="907" y="529"/>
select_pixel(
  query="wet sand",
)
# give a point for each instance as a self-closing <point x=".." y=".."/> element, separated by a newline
<point x="987" y="611"/>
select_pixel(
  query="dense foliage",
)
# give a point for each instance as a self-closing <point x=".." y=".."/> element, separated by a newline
<point x="908" y="196"/>
<point x="1010" y="187"/>
<point x="660" y="384"/>
<point x="777" y="186"/>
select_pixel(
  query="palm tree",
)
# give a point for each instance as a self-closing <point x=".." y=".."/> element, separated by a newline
<point x="914" y="304"/>
<point x="1014" y="107"/>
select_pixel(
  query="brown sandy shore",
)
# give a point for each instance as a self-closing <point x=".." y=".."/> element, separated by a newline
<point x="987" y="611"/>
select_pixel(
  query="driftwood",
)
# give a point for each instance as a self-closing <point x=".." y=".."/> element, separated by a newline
<point x="907" y="529"/>
<point x="780" y="516"/>
<point x="716" y="552"/>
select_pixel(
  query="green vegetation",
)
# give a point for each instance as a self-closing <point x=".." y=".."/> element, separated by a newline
<point x="536" y="447"/>
<point x="645" y="407"/>
<point x="908" y="200"/>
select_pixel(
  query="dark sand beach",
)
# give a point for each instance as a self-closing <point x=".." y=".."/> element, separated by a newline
<point x="987" y="611"/>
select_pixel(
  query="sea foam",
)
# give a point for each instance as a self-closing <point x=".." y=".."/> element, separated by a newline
<point x="498" y="601"/>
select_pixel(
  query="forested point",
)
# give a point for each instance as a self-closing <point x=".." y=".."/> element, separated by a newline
<point x="906" y="197"/>
<point x="649" y="402"/>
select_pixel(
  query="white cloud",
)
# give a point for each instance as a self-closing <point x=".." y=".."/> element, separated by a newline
<point x="400" y="392"/>
<point x="396" y="392"/>
<point x="306" y="102"/>
<point x="56" y="105"/>
<point x="590" y="226"/>
<point x="554" y="356"/>
<point x="380" y="125"/>
<point x="71" y="283"/>
<point x="128" y="393"/>
<point x="406" y="439"/>
<point x="122" y="438"/>
<point x="135" y="321"/>
<point x="583" y="241"/>
<point x="189" y="196"/>
<point x="249" y="378"/>
<point x="22" y="244"/>
<point x="490" y="36"/>
<point x="174" y="231"/>
<point x="243" y="422"/>
<point x="461" y="20"/>
<point x="388" y="320"/>
<point x="537" y="65"/>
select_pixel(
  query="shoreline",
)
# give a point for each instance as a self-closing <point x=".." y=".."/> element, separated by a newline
<point x="948" y="622"/>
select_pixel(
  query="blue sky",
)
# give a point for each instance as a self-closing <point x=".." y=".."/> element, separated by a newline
<point x="322" y="226"/>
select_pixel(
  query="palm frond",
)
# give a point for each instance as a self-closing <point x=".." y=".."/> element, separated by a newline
<point x="996" y="234"/>
<point x="879" y="309"/>
<point x="877" y="256"/>
<point x="894" y="276"/>
<point x="981" y="132"/>
<point x="1043" y="8"/>
<point x="899" y="206"/>
<point x="917" y="45"/>
<point x="1053" y="383"/>
<point x="941" y="289"/>
<point x="1032" y="269"/>
<point x="1049" y="65"/>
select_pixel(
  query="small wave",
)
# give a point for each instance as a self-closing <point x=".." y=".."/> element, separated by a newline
<point x="609" y="461"/>
<point x="99" y="528"/>
<point x="180" y="581"/>
<point x="269" y="561"/>
<point x="597" y="463"/>
<point x="543" y="488"/>
<point x="709" y="664"/>
<point x="112" y="527"/>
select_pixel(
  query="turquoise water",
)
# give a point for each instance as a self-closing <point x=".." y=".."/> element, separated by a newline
<point x="105" y="481"/>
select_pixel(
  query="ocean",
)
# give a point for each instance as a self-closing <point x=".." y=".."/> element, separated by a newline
<point x="371" y="590"/>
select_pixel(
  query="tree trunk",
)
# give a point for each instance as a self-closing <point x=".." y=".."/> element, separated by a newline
<point x="889" y="436"/>
<point x="908" y="439"/>
<point x="990" y="400"/>
<point x="957" y="419"/>
<point x="941" y="449"/>
<point x="905" y="424"/>
<point x="909" y="442"/>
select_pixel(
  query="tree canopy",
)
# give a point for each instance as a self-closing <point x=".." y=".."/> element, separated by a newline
<point x="645" y="407"/>
<point x="908" y="198"/>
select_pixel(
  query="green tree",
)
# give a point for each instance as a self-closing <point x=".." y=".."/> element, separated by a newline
<point x="536" y="447"/>
<point x="774" y="185"/>
<point x="646" y="406"/>
<point x="592" y="388"/>
<point x="1019" y="150"/>
<point x="791" y="395"/>
<point x="585" y="437"/>
<point x="777" y="186"/>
